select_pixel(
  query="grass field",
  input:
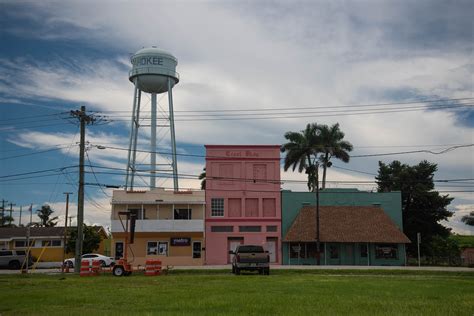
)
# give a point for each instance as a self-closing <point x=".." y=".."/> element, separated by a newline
<point x="285" y="292"/>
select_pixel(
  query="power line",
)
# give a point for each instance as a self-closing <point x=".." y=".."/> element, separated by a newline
<point x="282" y="158"/>
<point x="311" y="107"/>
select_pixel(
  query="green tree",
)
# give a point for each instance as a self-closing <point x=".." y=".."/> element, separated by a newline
<point x="468" y="219"/>
<point x="422" y="207"/>
<point x="302" y="152"/>
<point x="202" y="177"/>
<point x="333" y="145"/>
<point x="6" y="221"/>
<point x="91" y="241"/>
<point x="44" y="214"/>
<point x="444" y="250"/>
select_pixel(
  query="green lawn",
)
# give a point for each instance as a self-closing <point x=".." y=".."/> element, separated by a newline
<point x="220" y="293"/>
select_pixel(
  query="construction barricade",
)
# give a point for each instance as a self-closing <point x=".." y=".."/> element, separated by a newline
<point x="152" y="267"/>
<point x="85" y="268"/>
<point x="90" y="267"/>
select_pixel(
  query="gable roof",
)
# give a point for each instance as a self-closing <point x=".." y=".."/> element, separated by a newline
<point x="345" y="224"/>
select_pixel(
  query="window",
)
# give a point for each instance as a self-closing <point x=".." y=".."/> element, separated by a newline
<point x="21" y="252"/>
<point x="334" y="252"/>
<point x="20" y="243"/>
<point x="222" y="229"/>
<point x="182" y="213"/>
<point x="235" y="207"/>
<point x="163" y="248"/>
<point x="251" y="207"/>
<point x="118" y="250"/>
<point x="297" y="250"/>
<point x="253" y="229"/>
<point x="152" y="248"/>
<point x="89" y="256"/>
<point x="5" y="253"/>
<point x="272" y="228"/>
<point x="269" y="208"/>
<point x="196" y="250"/>
<point x="363" y="251"/>
<point x="217" y="207"/>
<point x="386" y="251"/>
<point x="51" y="243"/>
<point x="259" y="172"/>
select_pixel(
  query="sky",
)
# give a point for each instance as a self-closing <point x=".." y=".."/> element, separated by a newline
<point x="249" y="72"/>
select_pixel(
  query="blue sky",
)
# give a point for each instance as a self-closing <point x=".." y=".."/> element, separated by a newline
<point x="56" y="56"/>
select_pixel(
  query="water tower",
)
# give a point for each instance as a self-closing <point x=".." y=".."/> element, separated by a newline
<point x="153" y="71"/>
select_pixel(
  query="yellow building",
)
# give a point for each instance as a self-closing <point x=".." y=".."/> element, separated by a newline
<point x="46" y="242"/>
<point x="169" y="226"/>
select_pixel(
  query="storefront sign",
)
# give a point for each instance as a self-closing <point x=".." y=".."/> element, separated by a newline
<point x="181" y="241"/>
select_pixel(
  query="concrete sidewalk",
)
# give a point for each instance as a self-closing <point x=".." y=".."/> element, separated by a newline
<point x="54" y="268"/>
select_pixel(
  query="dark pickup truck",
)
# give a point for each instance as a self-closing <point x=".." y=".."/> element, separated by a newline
<point x="251" y="258"/>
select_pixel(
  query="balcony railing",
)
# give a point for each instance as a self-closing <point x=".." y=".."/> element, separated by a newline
<point x="163" y="225"/>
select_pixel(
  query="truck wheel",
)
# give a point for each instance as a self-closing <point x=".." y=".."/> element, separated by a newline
<point x="14" y="265"/>
<point x="233" y="269"/>
<point x="237" y="271"/>
<point x="118" y="271"/>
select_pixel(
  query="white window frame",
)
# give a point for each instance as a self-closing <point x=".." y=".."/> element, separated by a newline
<point x="214" y="209"/>
<point x="152" y="254"/>
<point x="167" y="248"/>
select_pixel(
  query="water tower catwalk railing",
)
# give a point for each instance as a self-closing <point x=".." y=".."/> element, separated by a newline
<point x="160" y="77"/>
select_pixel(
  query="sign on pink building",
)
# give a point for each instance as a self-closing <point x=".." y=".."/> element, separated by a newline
<point x="242" y="200"/>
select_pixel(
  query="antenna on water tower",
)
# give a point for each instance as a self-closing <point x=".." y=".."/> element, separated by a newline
<point x="153" y="71"/>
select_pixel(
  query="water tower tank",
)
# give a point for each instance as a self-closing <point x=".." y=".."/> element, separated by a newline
<point x="151" y="69"/>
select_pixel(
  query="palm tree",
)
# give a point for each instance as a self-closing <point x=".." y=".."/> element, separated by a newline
<point x="202" y="177"/>
<point x="333" y="146"/>
<point x="302" y="150"/>
<point x="44" y="213"/>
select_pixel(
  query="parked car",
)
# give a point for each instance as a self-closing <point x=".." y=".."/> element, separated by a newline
<point x="251" y="258"/>
<point x="104" y="261"/>
<point x="14" y="259"/>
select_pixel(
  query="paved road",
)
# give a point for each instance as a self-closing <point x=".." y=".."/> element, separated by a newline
<point x="53" y="268"/>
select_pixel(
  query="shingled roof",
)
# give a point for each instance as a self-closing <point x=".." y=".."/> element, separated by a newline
<point x="345" y="224"/>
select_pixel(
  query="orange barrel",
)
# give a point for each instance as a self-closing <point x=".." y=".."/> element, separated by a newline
<point x="150" y="267"/>
<point x="95" y="267"/>
<point x="158" y="267"/>
<point x="85" y="268"/>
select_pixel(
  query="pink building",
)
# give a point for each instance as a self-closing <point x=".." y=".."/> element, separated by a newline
<point x="242" y="200"/>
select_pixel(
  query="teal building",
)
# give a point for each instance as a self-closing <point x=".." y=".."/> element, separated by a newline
<point x="356" y="228"/>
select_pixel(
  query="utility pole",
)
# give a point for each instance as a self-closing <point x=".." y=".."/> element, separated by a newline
<point x="65" y="230"/>
<point x="28" y="233"/>
<point x="19" y="222"/>
<point x="318" y="242"/>
<point x="11" y="214"/>
<point x="3" y="212"/>
<point x="83" y="119"/>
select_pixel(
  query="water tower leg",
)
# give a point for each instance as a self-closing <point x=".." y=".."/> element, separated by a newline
<point x="130" y="144"/>
<point x="153" y="143"/>
<point x="173" y="140"/>
<point x="134" y="149"/>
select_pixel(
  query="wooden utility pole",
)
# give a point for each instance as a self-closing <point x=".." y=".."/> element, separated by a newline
<point x="65" y="230"/>
<point x="19" y="222"/>
<point x="11" y="214"/>
<point x="3" y="212"/>
<point x="83" y="120"/>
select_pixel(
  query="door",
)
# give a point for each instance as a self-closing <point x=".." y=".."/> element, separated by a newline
<point x="272" y="248"/>
<point x="232" y="243"/>
<point x="196" y="249"/>
<point x="350" y="255"/>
